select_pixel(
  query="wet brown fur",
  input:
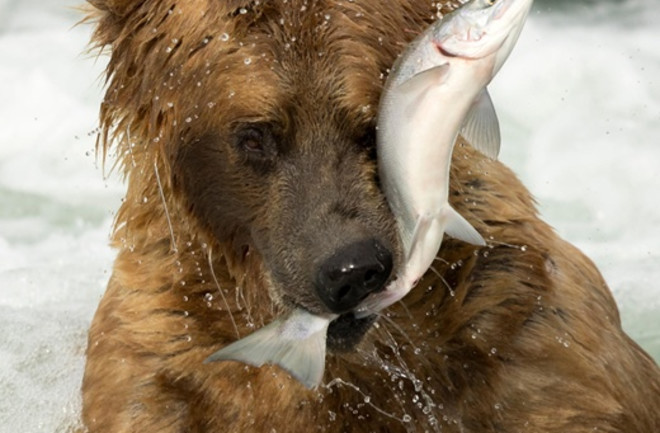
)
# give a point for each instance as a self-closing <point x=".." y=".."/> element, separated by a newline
<point x="521" y="335"/>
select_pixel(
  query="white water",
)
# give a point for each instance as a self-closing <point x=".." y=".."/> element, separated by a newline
<point x="579" y="102"/>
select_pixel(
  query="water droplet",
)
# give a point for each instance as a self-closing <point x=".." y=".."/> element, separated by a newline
<point x="523" y="248"/>
<point x="497" y="406"/>
<point x="332" y="415"/>
<point x="406" y="418"/>
<point x="188" y="119"/>
<point x="247" y="60"/>
<point x="224" y="37"/>
<point x="242" y="11"/>
<point x="493" y="351"/>
<point x="145" y="199"/>
<point x="367" y="399"/>
<point x="426" y="410"/>
<point x="208" y="297"/>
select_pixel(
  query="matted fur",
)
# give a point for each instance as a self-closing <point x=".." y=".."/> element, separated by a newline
<point x="520" y="336"/>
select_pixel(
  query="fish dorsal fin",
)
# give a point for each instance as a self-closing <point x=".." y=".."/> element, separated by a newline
<point x="481" y="128"/>
<point x="280" y="343"/>
<point x="458" y="227"/>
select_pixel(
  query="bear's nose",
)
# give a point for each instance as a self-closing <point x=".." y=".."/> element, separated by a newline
<point x="353" y="272"/>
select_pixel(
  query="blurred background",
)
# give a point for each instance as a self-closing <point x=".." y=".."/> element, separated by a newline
<point x="579" y="103"/>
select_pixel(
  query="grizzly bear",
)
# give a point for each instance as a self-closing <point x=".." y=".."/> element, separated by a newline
<point x="245" y="131"/>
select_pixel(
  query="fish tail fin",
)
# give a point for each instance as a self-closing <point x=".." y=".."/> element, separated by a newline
<point x="303" y="359"/>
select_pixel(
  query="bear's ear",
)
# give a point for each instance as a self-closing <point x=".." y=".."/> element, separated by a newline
<point x="119" y="8"/>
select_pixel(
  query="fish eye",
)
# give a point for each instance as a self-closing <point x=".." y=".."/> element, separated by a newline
<point x="490" y="2"/>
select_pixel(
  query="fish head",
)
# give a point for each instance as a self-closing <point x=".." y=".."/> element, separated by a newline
<point x="482" y="28"/>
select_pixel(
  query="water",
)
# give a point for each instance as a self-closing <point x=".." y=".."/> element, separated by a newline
<point x="579" y="102"/>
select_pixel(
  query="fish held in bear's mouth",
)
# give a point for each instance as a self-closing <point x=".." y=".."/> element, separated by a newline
<point x="449" y="65"/>
<point x="437" y="89"/>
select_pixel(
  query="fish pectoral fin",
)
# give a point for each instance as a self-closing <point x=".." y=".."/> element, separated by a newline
<point x="415" y="89"/>
<point x="423" y="80"/>
<point x="304" y="358"/>
<point x="481" y="128"/>
<point x="458" y="227"/>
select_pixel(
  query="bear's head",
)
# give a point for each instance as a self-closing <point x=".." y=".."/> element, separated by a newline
<point x="263" y="115"/>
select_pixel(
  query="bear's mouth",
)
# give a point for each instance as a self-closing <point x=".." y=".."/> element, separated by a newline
<point x="346" y="331"/>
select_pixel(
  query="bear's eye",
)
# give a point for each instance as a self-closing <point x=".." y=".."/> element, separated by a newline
<point x="251" y="139"/>
<point x="256" y="143"/>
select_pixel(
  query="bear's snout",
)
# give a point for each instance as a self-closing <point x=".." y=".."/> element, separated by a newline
<point x="345" y="278"/>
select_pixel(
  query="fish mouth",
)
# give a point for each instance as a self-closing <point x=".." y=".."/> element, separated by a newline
<point x="346" y="331"/>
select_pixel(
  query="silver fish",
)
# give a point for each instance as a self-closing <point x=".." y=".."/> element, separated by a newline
<point x="435" y="90"/>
